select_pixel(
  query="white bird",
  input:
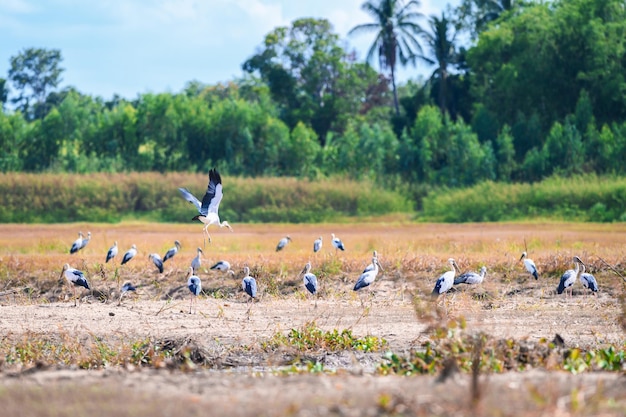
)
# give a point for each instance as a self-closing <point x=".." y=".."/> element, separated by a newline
<point x="172" y="251"/>
<point x="112" y="253"/>
<point x="85" y="241"/>
<point x="157" y="261"/>
<point x="282" y="243"/>
<point x="588" y="280"/>
<point x="337" y="243"/>
<point x="248" y="284"/>
<point x="210" y="203"/>
<point x="126" y="288"/>
<point x="197" y="261"/>
<point x="75" y="278"/>
<point x="77" y="243"/>
<point x="471" y="278"/>
<point x="309" y="279"/>
<point x="530" y="265"/>
<point x="369" y="274"/>
<point x="194" y="285"/>
<point x="129" y="254"/>
<point x="569" y="277"/>
<point x="317" y="245"/>
<point x="222" y="266"/>
<point x="445" y="281"/>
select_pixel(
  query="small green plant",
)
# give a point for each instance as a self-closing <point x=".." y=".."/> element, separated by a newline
<point x="310" y="337"/>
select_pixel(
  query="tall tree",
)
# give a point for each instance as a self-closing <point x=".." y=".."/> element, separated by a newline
<point x="34" y="73"/>
<point x="396" y="27"/>
<point x="312" y="78"/>
<point x="441" y="51"/>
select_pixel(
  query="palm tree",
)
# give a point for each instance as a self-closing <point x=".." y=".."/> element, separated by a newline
<point x="441" y="51"/>
<point x="396" y="27"/>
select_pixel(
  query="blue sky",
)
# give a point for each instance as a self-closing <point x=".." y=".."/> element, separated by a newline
<point x="130" y="47"/>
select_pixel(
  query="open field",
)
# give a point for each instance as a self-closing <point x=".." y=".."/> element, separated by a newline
<point x="237" y="363"/>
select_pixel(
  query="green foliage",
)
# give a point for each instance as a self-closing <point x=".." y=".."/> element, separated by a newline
<point x="311" y="338"/>
<point x="450" y="347"/>
<point x="580" y="198"/>
<point x="51" y="198"/>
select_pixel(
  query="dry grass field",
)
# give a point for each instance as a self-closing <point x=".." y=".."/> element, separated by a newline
<point x="104" y="357"/>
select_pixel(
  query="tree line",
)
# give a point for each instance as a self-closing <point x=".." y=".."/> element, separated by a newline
<point x="539" y="90"/>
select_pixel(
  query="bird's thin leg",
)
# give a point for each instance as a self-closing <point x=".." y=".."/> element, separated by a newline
<point x="190" y="302"/>
<point x="74" y="295"/>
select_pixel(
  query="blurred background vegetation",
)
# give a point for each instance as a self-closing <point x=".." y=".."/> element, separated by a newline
<point x="524" y="117"/>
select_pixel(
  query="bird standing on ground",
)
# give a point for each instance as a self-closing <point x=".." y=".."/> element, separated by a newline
<point x="569" y="277"/>
<point x="369" y="274"/>
<point x="317" y="245"/>
<point x="77" y="243"/>
<point x="172" y="251"/>
<point x="309" y="279"/>
<point x="282" y="243"/>
<point x="197" y="261"/>
<point x="588" y="280"/>
<point x="337" y="243"/>
<point x="157" y="261"/>
<point x="85" y="241"/>
<point x="248" y="284"/>
<point x="194" y="285"/>
<point x="126" y="288"/>
<point x="445" y="281"/>
<point x="209" y="207"/>
<point x="471" y="278"/>
<point x="112" y="253"/>
<point x="130" y="253"/>
<point x="529" y="265"/>
<point x="75" y="278"/>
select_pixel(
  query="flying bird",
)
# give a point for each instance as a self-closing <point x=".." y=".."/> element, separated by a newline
<point x="112" y="253"/>
<point x="445" y="281"/>
<point x="75" y="278"/>
<point x="172" y="251"/>
<point x="157" y="261"/>
<point x="471" y="278"/>
<point x="317" y="245"/>
<point x="569" y="277"/>
<point x="337" y="243"/>
<point x="129" y="254"/>
<point x="194" y="285"/>
<point x="197" y="261"/>
<point x="369" y="274"/>
<point x="529" y="265"/>
<point x="588" y="280"/>
<point x="282" y="243"/>
<point x="78" y="243"/>
<point x="210" y="203"/>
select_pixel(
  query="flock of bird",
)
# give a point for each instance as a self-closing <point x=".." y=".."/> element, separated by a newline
<point x="208" y="215"/>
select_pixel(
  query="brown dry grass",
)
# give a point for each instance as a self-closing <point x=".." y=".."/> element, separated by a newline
<point x="509" y="304"/>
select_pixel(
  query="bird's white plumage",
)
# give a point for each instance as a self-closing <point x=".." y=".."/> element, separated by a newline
<point x="157" y="261"/>
<point x="471" y="278"/>
<point x="172" y="251"/>
<point x="197" y="261"/>
<point x="337" y="243"/>
<point x="130" y="254"/>
<point x="369" y="274"/>
<point x="530" y="266"/>
<point x="317" y="245"/>
<point x="282" y="243"/>
<point x="112" y="253"/>
<point x="445" y="281"/>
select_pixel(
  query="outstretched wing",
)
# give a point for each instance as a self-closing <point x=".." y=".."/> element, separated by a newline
<point x="191" y="198"/>
<point x="213" y="196"/>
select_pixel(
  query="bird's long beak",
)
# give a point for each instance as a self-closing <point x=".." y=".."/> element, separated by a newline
<point x="380" y="266"/>
<point x="521" y="257"/>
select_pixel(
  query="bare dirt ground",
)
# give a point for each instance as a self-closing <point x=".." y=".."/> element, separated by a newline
<point x="244" y="379"/>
